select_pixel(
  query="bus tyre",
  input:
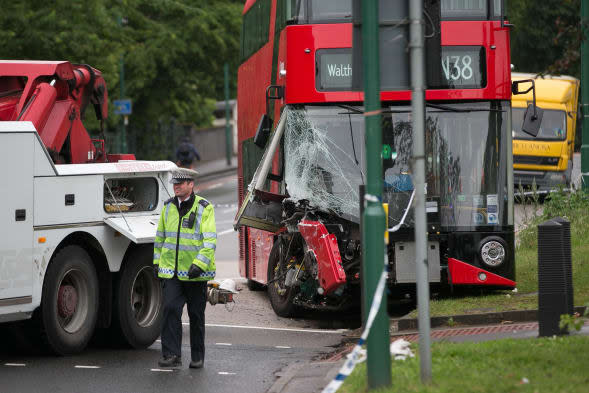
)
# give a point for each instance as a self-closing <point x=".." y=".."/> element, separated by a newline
<point x="281" y="298"/>
<point x="69" y="303"/>
<point x="255" y="286"/>
<point x="138" y="300"/>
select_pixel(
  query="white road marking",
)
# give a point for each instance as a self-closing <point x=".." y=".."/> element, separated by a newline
<point x="93" y="367"/>
<point x="282" y="347"/>
<point x="225" y="373"/>
<point x="15" y="364"/>
<point x="233" y="209"/>
<point x="228" y="231"/>
<point x="226" y="344"/>
<point x="160" y="370"/>
<point x="338" y="331"/>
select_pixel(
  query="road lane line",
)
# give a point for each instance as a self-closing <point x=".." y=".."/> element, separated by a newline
<point x="226" y="344"/>
<point x="326" y="331"/>
<point x="161" y="370"/>
<point x="15" y="364"/>
<point x="282" y="347"/>
<point x="91" y="367"/>
<point x="225" y="373"/>
<point x="228" y="231"/>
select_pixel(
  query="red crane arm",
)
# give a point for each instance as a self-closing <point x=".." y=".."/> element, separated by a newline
<point x="54" y="97"/>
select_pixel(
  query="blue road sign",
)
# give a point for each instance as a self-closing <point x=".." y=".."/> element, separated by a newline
<point x="123" y="107"/>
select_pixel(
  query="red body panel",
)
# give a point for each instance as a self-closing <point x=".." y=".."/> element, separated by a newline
<point x="304" y="40"/>
<point x="464" y="273"/>
<point x="329" y="261"/>
<point x="253" y="76"/>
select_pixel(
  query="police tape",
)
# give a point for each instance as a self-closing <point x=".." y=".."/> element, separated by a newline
<point x="354" y="356"/>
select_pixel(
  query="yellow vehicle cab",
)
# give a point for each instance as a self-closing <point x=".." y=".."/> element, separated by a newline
<point x="546" y="160"/>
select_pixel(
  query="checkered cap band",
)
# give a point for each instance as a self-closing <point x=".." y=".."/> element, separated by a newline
<point x="182" y="175"/>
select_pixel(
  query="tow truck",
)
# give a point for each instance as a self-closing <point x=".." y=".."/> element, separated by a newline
<point x="76" y="248"/>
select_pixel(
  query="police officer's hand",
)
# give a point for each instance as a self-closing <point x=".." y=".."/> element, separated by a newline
<point x="194" y="271"/>
<point x="156" y="272"/>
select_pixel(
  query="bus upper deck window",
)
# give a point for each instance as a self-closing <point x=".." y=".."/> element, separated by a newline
<point x="329" y="11"/>
<point x="465" y="9"/>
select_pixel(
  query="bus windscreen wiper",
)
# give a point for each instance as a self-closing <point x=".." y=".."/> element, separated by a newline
<point x="460" y="110"/>
<point x="350" y="108"/>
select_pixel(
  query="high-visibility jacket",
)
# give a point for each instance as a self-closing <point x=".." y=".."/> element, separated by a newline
<point x="182" y="241"/>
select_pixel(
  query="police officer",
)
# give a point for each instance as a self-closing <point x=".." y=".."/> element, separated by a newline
<point x="184" y="259"/>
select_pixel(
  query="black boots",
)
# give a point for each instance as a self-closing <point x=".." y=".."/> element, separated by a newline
<point x="170" y="361"/>
<point x="176" y="361"/>
<point x="196" y="364"/>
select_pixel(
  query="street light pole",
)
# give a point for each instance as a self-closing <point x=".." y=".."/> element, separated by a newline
<point x="416" y="37"/>
<point x="228" y="149"/>
<point x="378" y="363"/>
<point x="585" y="94"/>
<point x="123" y="126"/>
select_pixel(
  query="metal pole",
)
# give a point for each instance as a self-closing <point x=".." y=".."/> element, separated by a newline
<point x="228" y="138"/>
<point x="378" y="366"/>
<point x="123" y="144"/>
<point x="418" y="108"/>
<point x="585" y="94"/>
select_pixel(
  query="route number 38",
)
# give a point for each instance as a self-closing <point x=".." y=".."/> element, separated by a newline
<point x="457" y="67"/>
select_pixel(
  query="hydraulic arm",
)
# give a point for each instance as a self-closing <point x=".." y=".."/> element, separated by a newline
<point x="54" y="95"/>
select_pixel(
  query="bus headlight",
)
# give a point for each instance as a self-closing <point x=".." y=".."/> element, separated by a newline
<point x="493" y="252"/>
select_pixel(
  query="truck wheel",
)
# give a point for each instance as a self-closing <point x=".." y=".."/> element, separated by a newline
<point x="281" y="298"/>
<point x="69" y="303"/>
<point x="138" y="300"/>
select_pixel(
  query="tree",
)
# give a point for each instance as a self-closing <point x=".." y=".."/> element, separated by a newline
<point x="546" y="37"/>
<point x="173" y="52"/>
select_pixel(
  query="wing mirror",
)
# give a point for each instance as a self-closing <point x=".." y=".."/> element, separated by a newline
<point x="533" y="114"/>
<point x="263" y="131"/>
<point x="273" y="92"/>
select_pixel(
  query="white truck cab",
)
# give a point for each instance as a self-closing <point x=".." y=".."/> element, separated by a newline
<point x="76" y="247"/>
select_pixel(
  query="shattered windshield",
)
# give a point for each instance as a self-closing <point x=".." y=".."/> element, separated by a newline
<point x="324" y="157"/>
<point x="466" y="165"/>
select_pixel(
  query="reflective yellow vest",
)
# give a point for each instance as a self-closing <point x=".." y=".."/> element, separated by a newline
<point x="177" y="246"/>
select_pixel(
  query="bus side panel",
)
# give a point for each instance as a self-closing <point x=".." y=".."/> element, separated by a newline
<point x="253" y="76"/>
<point x="16" y="216"/>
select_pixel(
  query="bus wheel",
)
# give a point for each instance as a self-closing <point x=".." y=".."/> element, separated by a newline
<point x="138" y="300"/>
<point x="69" y="304"/>
<point x="281" y="297"/>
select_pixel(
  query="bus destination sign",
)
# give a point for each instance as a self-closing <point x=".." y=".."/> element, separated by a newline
<point x="463" y="67"/>
<point x="334" y="67"/>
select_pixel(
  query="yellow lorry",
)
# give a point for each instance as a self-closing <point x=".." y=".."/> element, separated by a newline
<point x="546" y="160"/>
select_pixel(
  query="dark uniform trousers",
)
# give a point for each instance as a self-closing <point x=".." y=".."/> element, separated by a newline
<point x="176" y="294"/>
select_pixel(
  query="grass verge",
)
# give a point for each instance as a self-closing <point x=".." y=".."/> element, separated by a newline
<point x="547" y="364"/>
<point x="574" y="207"/>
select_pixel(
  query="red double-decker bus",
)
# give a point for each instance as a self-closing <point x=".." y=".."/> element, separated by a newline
<point x="302" y="155"/>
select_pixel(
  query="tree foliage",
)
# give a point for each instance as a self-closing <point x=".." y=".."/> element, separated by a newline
<point x="546" y="37"/>
<point x="173" y="53"/>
